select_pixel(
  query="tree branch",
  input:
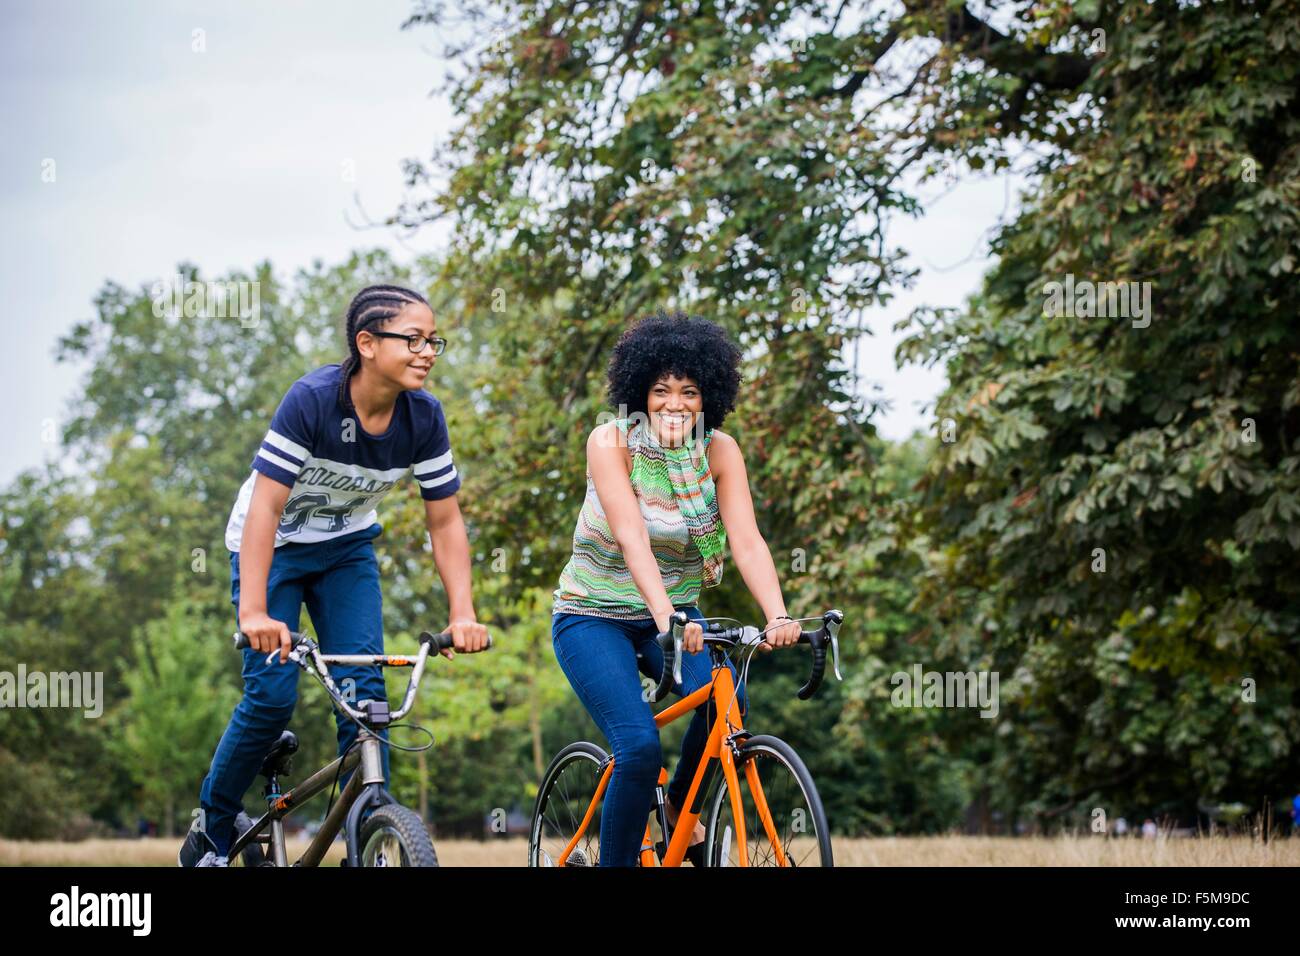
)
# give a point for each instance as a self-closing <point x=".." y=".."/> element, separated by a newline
<point x="1055" y="71"/>
<point x="854" y="82"/>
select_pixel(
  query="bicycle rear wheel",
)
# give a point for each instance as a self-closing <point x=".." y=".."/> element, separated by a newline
<point x="567" y="791"/>
<point x="395" y="836"/>
<point x="798" y="819"/>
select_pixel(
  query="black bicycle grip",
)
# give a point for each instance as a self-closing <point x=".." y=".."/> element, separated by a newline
<point x="668" y="642"/>
<point x="818" y="641"/>
<point x="441" y="642"/>
<point x="241" y="639"/>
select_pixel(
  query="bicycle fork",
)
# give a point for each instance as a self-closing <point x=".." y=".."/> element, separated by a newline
<point x="373" y="794"/>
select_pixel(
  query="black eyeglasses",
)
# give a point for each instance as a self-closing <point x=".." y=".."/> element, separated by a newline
<point x="415" y="342"/>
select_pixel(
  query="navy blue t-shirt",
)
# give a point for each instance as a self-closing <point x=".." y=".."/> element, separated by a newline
<point x="336" y="471"/>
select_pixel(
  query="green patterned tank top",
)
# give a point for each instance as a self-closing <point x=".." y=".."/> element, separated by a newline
<point x="679" y="503"/>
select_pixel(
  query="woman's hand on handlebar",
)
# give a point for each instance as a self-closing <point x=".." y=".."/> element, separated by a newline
<point x="266" y="635"/>
<point x="468" y="636"/>
<point x="692" y="634"/>
<point x="693" y="638"/>
<point x="780" y="632"/>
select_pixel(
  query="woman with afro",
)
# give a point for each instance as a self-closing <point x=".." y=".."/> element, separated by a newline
<point x="666" y="489"/>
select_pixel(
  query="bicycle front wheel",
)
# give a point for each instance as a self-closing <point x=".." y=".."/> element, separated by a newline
<point x="568" y="791"/>
<point x="782" y="819"/>
<point x="395" y="836"/>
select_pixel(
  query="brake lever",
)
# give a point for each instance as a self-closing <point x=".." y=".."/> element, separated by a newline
<point x="294" y="654"/>
<point x="680" y="620"/>
<point x="832" y="622"/>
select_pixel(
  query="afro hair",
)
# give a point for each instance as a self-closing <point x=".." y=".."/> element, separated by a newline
<point x="678" y="345"/>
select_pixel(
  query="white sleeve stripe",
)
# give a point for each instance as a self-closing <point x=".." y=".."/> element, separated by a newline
<point x="429" y="474"/>
<point x="433" y="464"/>
<point x="435" y="482"/>
<point x="279" y="462"/>
<point x="285" y="445"/>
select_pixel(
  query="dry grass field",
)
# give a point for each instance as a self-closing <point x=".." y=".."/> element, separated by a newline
<point x="884" y="851"/>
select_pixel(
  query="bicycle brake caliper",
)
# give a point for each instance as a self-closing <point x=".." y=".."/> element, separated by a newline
<point x="735" y="740"/>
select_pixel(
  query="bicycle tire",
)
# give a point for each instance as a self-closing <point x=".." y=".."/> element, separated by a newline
<point x="780" y="764"/>
<point x="394" y="835"/>
<point x="566" y="808"/>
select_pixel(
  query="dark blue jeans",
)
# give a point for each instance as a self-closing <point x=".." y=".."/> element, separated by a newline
<point x="602" y="657"/>
<point x="339" y="581"/>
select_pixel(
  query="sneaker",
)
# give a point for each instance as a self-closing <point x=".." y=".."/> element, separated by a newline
<point x="197" y="846"/>
<point x="211" y="859"/>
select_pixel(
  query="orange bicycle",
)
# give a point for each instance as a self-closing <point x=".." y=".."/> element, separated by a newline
<point x="765" y="812"/>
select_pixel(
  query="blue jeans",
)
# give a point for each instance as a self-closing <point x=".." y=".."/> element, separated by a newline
<point x="601" y="657"/>
<point x="339" y="581"/>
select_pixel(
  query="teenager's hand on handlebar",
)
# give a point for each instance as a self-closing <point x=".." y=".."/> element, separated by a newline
<point x="266" y="635"/>
<point x="468" y="637"/>
<point x="780" y="632"/>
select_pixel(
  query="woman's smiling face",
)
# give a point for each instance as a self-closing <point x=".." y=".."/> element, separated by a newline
<point x="673" y="406"/>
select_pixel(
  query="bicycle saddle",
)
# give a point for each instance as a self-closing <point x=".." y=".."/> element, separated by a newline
<point x="280" y="758"/>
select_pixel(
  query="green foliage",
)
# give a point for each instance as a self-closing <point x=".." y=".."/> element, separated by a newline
<point x="1168" y="450"/>
<point x="175" y="708"/>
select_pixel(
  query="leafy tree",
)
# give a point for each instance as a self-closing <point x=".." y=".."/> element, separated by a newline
<point x="175" y="708"/>
<point x="1120" y="507"/>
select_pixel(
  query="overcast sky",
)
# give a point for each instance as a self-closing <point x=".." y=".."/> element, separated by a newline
<point x="233" y="155"/>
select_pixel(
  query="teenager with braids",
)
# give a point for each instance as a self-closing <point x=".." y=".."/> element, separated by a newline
<point x="665" y="491"/>
<point x="301" y="531"/>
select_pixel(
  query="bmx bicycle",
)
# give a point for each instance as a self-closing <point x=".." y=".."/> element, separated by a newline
<point x="391" y="835"/>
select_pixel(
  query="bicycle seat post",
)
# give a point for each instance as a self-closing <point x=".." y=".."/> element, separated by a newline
<point x="279" y="853"/>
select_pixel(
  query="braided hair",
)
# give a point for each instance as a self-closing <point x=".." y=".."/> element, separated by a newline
<point x="373" y="304"/>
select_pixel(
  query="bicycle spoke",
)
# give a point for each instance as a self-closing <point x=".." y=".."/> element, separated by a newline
<point x="793" y="821"/>
<point x="564" y="804"/>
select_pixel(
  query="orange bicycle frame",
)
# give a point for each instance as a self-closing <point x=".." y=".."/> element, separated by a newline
<point x="722" y="690"/>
